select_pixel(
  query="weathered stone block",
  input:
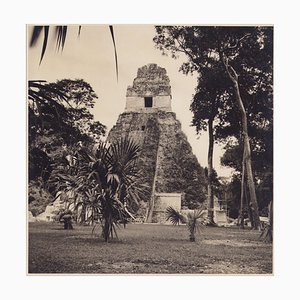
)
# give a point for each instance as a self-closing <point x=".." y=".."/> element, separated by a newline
<point x="150" y="91"/>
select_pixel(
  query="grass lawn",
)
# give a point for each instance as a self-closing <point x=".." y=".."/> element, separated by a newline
<point x="147" y="248"/>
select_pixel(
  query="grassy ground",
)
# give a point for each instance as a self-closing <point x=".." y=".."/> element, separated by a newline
<point x="147" y="248"/>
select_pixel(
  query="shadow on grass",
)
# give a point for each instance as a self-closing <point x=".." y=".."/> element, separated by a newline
<point x="94" y="240"/>
<point x="61" y="228"/>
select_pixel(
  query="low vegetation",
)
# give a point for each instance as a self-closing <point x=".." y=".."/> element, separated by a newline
<point x="193" y="220"/>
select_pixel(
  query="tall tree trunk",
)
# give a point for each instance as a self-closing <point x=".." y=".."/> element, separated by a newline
<point x="249" y="209"/>
<point x="267" y="234"/>
<point x="241" y="217"/>
<point x="251" y="186"/>
<point x="107" y="225"/>
<point x="270" y="231"/>
<point x="248" y="165"/>
<point x="271" y="214"/>
<point x="152" y="198"/>
<point x="210" y="196"/>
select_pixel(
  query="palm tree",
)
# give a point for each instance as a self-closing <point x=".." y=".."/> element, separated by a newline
<point x="194" y="220"/>
<point x="107" y="184"/>
<point x="112" y="171"/>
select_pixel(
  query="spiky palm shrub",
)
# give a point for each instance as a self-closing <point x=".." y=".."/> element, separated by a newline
<point x="88" y="207"/>
<point x="175" y="216"/>
<point x="117" y="181"/>
<point x="194" y="220"/>
<point x="107" y="184"/>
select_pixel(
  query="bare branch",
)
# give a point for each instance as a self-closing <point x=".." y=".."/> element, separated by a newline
<point x="235" y="75"/>
<point x="230" y="70"/>
<point x="192" y="58"/>
<point x="238" y="41"/>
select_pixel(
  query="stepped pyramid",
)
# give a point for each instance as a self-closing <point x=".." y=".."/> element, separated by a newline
<point x="170" y="168"/>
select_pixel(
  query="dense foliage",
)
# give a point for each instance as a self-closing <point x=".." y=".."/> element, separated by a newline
<point x="234" y="91"/>
<point x="58" y="118"/>
<point x="102" y="185"/>
<point x="98" y="182"/>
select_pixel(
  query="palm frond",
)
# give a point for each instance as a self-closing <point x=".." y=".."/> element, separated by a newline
<point x="37" y="30"/>
<point x="115" y="49"/>
<point x="42" y="86"/>
<point x="46" y="32"/>
<point x="100" y="151"/>
<point x="61" y="34"/>
<point x="136" y="192"/>
<point x="44" y="96"/>
<point x="114" y="229"/>
<point x="123" y="153"/>
<point x="195" y="221"/>
<point x="174" y="216"/>
<point x="113" y="179"/>
<point x="199" y="213"/>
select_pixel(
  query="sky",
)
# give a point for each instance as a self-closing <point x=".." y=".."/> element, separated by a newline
<point x="91" y="57"/>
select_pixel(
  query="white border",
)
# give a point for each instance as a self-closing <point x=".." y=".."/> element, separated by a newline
<point x="14" y="16"/>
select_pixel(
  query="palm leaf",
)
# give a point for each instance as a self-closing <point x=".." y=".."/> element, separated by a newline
<point x="114" y="229"/>
<point x="198" y="213"/>
<point x="42" y="93"/>
<point x="195" y="220"/>
<point x="174" y="216"/>
<point x="46" y="31"/>
<point x="123" y="153"/>
<point x="115" y="49"/>
<point x="37" y="30"/>
<point x="39" y="84"/>
<point x="61" y="34"/>
<point x="137" y="192"/>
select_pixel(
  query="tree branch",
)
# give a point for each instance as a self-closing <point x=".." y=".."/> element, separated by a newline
<point x="238" y="41"/>
<point x="189" y="54"/>
<point x="230" y="70"/>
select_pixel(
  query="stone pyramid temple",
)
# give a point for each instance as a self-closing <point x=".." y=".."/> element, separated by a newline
<point x="170" y="168"/>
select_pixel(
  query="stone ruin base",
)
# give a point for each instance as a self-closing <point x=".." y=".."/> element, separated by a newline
<point x="162" y="202"/>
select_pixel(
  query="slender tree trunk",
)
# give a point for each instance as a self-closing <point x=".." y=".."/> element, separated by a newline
<point x="107" y="226"/>
<point x="270" y="231"/>
<point x="150" y="208"/>
<point x="152" y="198"/>
<point x="248" y="165"/>
<point x="251" y="186"/>
<point x="271" y="215"/>
<point x="241" y="217"/>
<point x="210" y="196"/>
<point x="192" y="237"/>
<point x="249" y="209"/>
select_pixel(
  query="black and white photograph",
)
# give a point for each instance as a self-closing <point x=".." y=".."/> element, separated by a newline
<point x="149" y="149"/>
